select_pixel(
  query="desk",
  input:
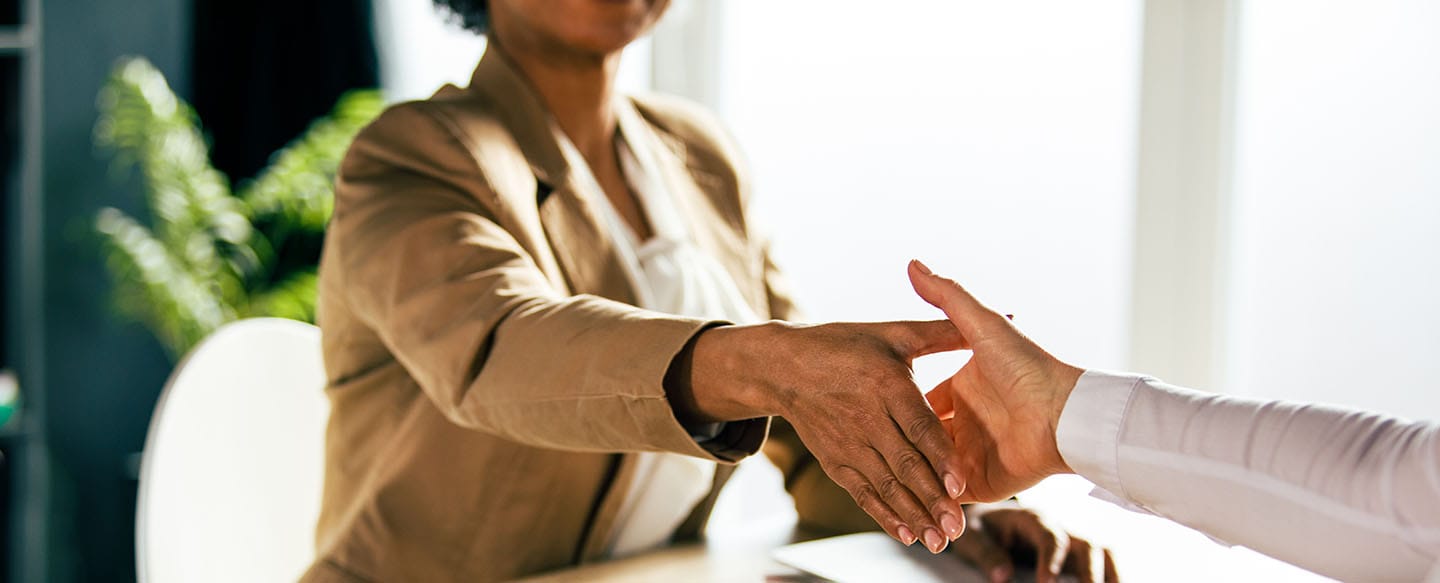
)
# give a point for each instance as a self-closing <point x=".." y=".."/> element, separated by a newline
<point x="719" y="561"/>
<point x="1146" y="549"/>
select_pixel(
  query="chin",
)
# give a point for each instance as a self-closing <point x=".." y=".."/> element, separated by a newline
<point x="604" y="44"/>
<point x="610" y="25"/>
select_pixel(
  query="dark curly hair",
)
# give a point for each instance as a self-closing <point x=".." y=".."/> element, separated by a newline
<point x="474" y="15"/>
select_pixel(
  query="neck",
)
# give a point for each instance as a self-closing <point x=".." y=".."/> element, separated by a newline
<point x="577" y="89"/>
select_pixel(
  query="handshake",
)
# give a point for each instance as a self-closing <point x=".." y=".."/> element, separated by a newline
<point x="987" y="432"/>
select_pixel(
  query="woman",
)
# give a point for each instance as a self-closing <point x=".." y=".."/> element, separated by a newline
<point x="545" y="323"/>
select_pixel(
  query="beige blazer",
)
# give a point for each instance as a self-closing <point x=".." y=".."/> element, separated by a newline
<point x="486" y="370"/>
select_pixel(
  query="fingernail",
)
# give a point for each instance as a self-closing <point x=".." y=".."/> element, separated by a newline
<point x="906" y="536"/>
<point x="922" y="267"/>
<point x="951" y="525"/>
<point x="1000" y="574"/>
<point x="934" y="541"/>
<point x="952" y="485"/>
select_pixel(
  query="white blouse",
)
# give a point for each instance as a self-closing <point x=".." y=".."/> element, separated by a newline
<point x="1344" y="493"/>
<point x="670" y="274"/>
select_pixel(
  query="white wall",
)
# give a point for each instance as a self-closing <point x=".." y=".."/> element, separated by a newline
<point x="993" y="140"/>
<point x="420" y="49"/>
<point x="1336" y="288"/>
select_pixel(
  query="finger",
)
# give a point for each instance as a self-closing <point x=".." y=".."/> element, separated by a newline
<point x="1083" y="562"/>
<point x="893" y="491"/>
<point x="1050" y="558"/>
<point x="916" y="472"/>
<point x="868" y="499"/>
<point x="912" y="497"/>
<point x="942" y="400"/>
<point x="967" y="313"/>
<point x="1111" y="575"/>
<point x="913" y="339"/>
<point x="978" y="548"/>
<point x="922" y="428"/>
<point x="1051" y="545"/>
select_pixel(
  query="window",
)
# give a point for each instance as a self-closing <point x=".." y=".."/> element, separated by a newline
<point x="1336" y="248"/>
<point x="993" y="140"/>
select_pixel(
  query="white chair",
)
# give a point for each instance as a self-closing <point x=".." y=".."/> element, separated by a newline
<point x="230" y="478"/>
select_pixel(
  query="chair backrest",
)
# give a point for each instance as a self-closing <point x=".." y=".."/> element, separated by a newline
<point x="231" y="476"/>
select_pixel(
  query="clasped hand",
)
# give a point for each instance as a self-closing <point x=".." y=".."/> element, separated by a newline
<point x="849" y="391"/>
<point x="1002" y="409"/>
<point x="1003" y="406"/>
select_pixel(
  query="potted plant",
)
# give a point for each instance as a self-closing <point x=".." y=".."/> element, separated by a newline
<point x="210" y="255"/>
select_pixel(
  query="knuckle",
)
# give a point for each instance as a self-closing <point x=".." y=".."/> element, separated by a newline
<point x="890" y="488"/>
<point x="856" y="485"/>
<point x="923" y="429"/>
<point x="866" y="497"/>
<point x="912" y="465"/>
<point x="845" y="476"/>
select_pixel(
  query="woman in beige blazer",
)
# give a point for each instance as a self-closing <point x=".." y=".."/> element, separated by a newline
<point x="502" y="407"/>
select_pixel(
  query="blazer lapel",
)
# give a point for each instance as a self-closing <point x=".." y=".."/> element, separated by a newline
<point x="717" y="230"/>
<point x="583" y="250"/>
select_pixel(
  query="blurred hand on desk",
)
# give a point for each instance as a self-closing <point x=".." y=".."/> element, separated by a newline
<point x="1004" y="538"/>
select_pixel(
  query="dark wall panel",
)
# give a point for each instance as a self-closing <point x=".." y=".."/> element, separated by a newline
<point x="101" y="375"/>
<point x="267" y="68"/>
<point x="264" y="69"/>
<point x="9" y="191"/>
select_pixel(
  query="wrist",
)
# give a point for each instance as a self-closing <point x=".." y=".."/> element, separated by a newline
<point x="722" y="379"/>
<point x="1066" y="378"/>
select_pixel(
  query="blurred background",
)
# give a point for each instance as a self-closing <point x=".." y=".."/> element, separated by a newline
<point x="1239" y="196"/>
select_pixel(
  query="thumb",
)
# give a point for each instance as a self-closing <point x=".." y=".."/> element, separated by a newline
<point x="967" y="313"/>
<point x="915" y="339"/>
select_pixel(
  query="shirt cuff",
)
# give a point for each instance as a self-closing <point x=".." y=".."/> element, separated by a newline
<point x="738" y="440"/>
<point x="703" y="432"/>
<point x="1089" y="428"/>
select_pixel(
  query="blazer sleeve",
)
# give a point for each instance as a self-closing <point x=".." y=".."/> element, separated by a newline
<point x="463" y="307"/>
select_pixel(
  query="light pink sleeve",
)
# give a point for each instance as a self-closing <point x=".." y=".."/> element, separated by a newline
<point x="1345" y="493"/>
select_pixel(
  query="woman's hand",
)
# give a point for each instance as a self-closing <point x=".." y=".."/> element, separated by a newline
<point x="1003" y="406"/>
<point x="1004" y="537"/>
<point x="848" y="391"/>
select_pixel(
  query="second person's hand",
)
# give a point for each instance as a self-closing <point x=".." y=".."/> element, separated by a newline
<point x="1003" y="406"/>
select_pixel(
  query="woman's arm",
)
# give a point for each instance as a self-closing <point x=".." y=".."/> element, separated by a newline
<point x="1345" y="493"/>
<point x="424" y="261"/>
<point x="425" y="264"/>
